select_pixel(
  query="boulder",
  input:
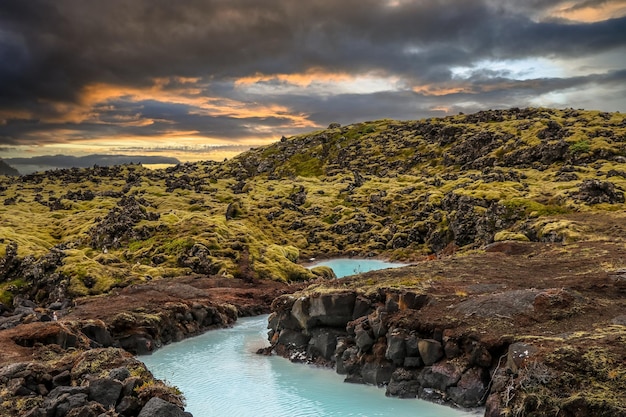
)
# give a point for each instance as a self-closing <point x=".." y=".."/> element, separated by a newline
<point x="347" y="363"/>
<point x="378" y="322"/>
<point x="596" y="192"/>
<point x="17" y="387"/>
<point x="555" y="304"/>
<point x="138" y="344"/>
<point x="619" y="320"/>
<point x="396" y="346"/>
<point x="412" y="300"/>
<point x="128" y="406"/>
<point x="451" y="349"/>
<point x="324" y="342"/>
<point x="363" y="337"/>
<point x="97" y="332"/>
<point x="391" y="303"/>
<point x="293" y="338"/>
<point x="106" y="391"/>
<point x="331" y="309"/>
<point x="71" y="402"/>
<point x="479" y="355"/>
<point x="377" y="373"/>
<point x="362" y="307"/>
<point x="62" y="379"/>
<point x="493" y="407"/>
<point x="440" y="376"/>
<point x="403" y="384"/>
<point x="64" y="391"/>
<point x="411" y="344"/>
<point x="471" y="390"/>
<point x="119" y="374"/>
<point x="300" y="313"/>
<point x="430" y="351"/>
<point x="130" y="384"/>
<point x="157" y="407"/>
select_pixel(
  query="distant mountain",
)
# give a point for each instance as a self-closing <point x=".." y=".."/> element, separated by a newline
<point x="8" y="170"/>
<point x="50" y="162"/>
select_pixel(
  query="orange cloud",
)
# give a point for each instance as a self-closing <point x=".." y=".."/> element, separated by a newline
<point x="590" y="14"/>
<point x="301" y="80"/>
<point x="474" y="88"/>
<point x="443" y="90"/>
<point x="201" y="105"/>
<point x="6" y="115"/>
<point x="95" y="99"/>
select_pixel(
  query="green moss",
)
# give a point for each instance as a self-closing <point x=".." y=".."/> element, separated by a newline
<point x="533" y="208"/>
<point x="402" y="194"/>
<point x="507" y="235"/>
<point x="559" y="230"/>
<point x="304" y="165"/>
<point x="582" y="146"/>
<point x="325" y="272"/>
<point x="177" y="246"/>
<point x="9" y="289"/>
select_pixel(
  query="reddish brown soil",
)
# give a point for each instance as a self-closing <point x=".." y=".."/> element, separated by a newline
<point x="495" y="293"/>
<point x="248" y="298"/>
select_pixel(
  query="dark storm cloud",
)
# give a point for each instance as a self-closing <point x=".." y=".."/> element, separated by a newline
<point x="51" y="50"/>
<point x="55" y="47"/>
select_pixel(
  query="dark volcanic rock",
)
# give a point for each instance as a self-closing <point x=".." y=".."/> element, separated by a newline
<point x="403" y="384"/>
<point x="157" y="407"/>
<point x="595" y="192"/>
<point x="106" y="391"/>
<point x="118" y="225"/>
<point x="470" y="390"/>
<point x="430" y="351"/>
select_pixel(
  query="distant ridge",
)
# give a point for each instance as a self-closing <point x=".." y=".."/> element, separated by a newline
<point x="6" y="169"/>
<point x="49" y="162"/>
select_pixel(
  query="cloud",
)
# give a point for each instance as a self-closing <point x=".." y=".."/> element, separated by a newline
<point x="75" y="72"/>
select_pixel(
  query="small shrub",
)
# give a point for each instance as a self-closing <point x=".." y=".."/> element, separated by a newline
<point x="582" y="146"/>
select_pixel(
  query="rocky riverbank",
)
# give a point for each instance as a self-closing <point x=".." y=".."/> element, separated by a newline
<point x="81" y="364"/>
<point x="523" y="329"/>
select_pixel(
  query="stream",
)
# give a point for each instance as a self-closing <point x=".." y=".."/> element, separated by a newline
<point x="221" y="375"/>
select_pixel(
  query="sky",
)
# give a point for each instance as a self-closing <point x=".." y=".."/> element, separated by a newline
<point x="201" y="79"/>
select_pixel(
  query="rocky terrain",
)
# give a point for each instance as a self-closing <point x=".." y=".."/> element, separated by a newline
<point x="523" y="328"/>
<point x="514" y="220"/>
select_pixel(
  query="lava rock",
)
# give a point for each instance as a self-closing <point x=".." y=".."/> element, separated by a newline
<point x="157" y="407"/>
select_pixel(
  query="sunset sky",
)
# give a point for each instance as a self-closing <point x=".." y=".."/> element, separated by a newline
<point x="157" y="77"/>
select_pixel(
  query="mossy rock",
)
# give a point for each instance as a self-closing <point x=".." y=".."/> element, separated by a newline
<point x="323" y="271"/>
<point x="507" y="235"/>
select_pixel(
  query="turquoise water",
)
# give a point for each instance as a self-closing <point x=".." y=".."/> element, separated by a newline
<point x="348" y="266"/>
<point x="221" y="375"/>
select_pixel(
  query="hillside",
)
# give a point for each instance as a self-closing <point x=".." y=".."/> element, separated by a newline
<point x="514" y="221"/>
<point x="8" y="170"/>
<point x="401" y="190"/>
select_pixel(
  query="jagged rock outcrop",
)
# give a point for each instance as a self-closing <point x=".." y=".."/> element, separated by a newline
<point x="596" y="192"/>
<point x="384" y="338"/>
<point x="89" y="383"/>
<point x="141" y="333"/>
<point x="118" y="225"/>
<point x="359" y="336"/>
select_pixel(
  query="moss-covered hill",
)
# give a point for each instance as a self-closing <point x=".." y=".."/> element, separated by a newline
<point x="403" y="190"/>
